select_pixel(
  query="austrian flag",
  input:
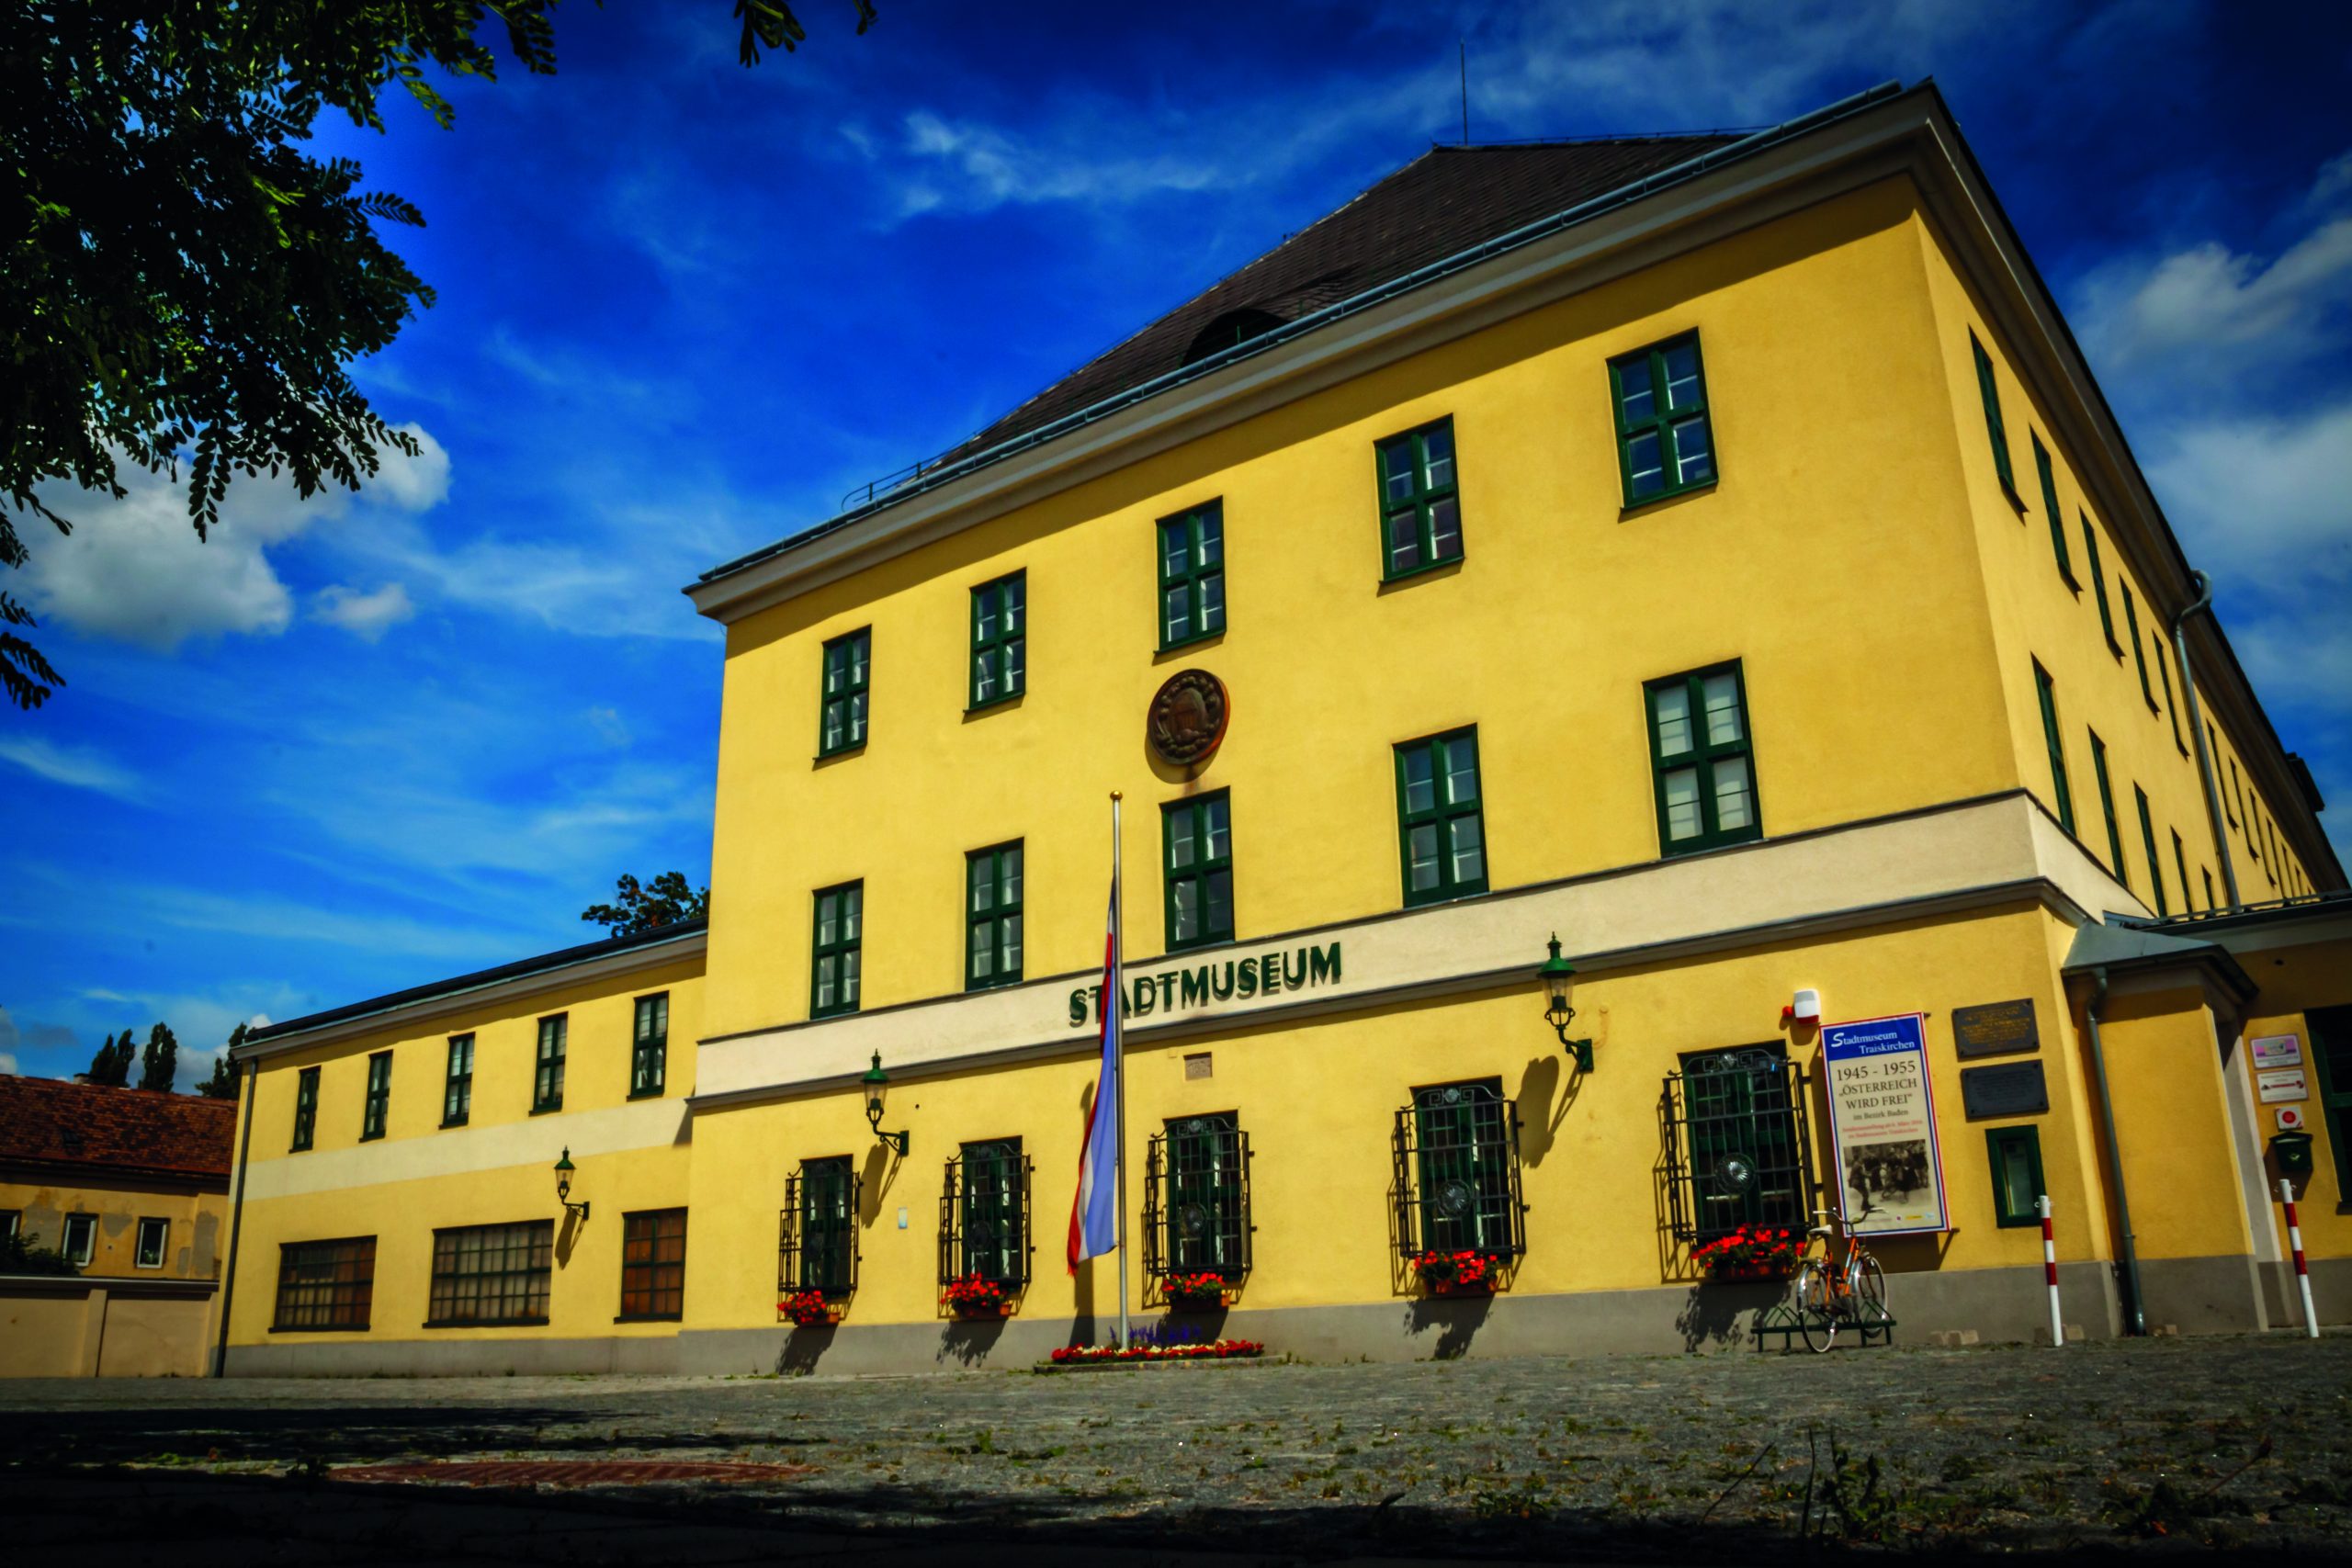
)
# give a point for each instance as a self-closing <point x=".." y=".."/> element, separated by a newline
<point x="1094" y="1216"/>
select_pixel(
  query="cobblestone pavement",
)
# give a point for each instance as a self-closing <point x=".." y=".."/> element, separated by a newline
<point x="2243" y="1443"/>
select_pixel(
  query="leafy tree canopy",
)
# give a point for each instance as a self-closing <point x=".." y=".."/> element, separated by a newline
<point x="649" y="907"/>
<point x="178" y="279"/>
<point x="159" y="1063"/>
<point x="112" y="1064"/>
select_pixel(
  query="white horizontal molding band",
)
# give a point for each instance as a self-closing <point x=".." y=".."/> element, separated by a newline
<point x="2005" y="843"/>
<point x="465" y="1151"/>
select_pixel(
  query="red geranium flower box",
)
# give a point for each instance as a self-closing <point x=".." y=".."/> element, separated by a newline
<point x="1215" y="1350"/>
<point x="1457" y="1273"/>
<point x="977" y="1296"/>
<point x="1194" y="1293"/>
<point x="1750" y="1253"/>
<point x="808" y="1309"/>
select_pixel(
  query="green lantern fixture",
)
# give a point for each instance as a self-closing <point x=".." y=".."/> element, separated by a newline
<point x="564" y="1170"/>
<point x="1558" y="974"/>
<point x="877" y="1087"/>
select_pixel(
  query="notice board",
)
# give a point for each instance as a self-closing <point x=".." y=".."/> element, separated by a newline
<point x="1883" y="1125"/>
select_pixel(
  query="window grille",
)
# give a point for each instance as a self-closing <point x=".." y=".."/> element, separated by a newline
<point x="1737" y="1148"/>
<point x="1196" y="1198"/>
<point x="984" y="1214"/>
<point x="325" y="1284"/>
<point x="817" y="1229"/>
<point x="1457" y="1172"/>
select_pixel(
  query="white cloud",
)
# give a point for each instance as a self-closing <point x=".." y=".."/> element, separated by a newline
<point x="984" y="166"/>
<point x="133" y="569"/>
<point x="2265" y="496"/>
<point x="76" y="767"/>
<point x="610" y="727"/>
<point x="365" y="616"/>
<point x="2210" y="297"/>
<point x="9" y="1063"/>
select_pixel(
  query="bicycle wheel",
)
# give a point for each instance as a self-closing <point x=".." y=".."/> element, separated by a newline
<point x="1869" y="1285"/>
<point x="1814" y="1318"/>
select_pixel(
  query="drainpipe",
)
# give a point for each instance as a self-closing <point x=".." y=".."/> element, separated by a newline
<point x="236" y="1216"/>
<point x="2204" y="601"/>
<point x="2135" y="1315"/>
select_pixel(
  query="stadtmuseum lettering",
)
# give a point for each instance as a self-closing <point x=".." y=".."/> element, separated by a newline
<point x="1229" y="979"/>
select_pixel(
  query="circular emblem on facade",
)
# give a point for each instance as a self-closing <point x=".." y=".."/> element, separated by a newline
<point x="1188" y="717"/>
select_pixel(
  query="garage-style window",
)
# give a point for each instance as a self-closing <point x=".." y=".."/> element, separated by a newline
<point x="492" y="1274"/>
<point x="325" y="1284"/>
<point x="653" y="1264"/>
<point x="1703" y="757"/>
<point x="1664" y="442"/>
<point x="1420" y="504"/>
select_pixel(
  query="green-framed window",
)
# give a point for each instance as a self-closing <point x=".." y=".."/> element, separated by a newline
<point x="1421" y="501"/>
<point x="992" y="917"/>
<point x="306" y="1109"/>
<point x="1196" y="838"/>
<point x="2015" y="1155"/>
<point x="837" y="951"/>
<point x="1196" y="1204"/>
<point x="2148" y="842"/>
<point x="1000" y="639"/>
<point x="1702" y="761"/>
<point x="2214" y="739"/>
<point x="2107" y="809"/>
<point x="653" y="1264"/>
<point x="1738" y="1141"/>
<point x="828" y="1224"/>
<point x="2098" y="585"/>
<point x="1191" y="575"/>
<point x="1992" y="422"/>
<point x="377" y="1107"/>
<point x="2050" y="505"/>
<point x="2210" y="902"/>
<point x="547" y="1075"/>
<point x="2331" y="1036"/>
<point x="2164" y="675"/>
<point x="2180" y="864"/>
<point x="458" y="1086"/>
<point x="1461" y="1141"/>
<point x="2046" y="694"/>
<point x="988" y="1213"/>
<point x="2237" y="793"/>
<point x="1665" y="443"/>
<point x="2138" y="650"/>
<point x="1441" y="817"/>
<point x="848" y="667"/>
<point x="648" y="1055"/>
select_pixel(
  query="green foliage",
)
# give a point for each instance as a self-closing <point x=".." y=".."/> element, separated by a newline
<point x="179" y="279"/>
<point x="644" y="909"/>
<point x="18" y="1256"/>
<point x="159" y="1063"/>
<point x="112" y="1064"/>
<point x="225" y="1082"/>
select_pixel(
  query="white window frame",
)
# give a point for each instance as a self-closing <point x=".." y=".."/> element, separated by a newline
<point x="163" y="1246"/>
<point x="89" y="1240"/>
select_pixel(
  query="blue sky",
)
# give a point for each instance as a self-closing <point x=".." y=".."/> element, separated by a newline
<point x="366" y="741"/>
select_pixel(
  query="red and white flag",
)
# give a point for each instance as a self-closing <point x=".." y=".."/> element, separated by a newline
<point x="1094" y="1216"/>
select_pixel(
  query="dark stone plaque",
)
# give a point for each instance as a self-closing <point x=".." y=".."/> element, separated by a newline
<point x="1188" y="717"/>
<point x="1996" y="1029"/>
<point x="2013" y="1089"/>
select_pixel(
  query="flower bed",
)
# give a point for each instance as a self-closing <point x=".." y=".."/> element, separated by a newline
<point x="1457" y="1273"/>
<point x="977" y="1295"/>
<point x="1750" y="1252"/>
<point x="807" y="1309"/>
<point x="1215" y="1350"/>
<point x="1194" y="1293"/>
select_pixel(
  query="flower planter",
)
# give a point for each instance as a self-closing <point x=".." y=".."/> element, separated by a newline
<point x="1198" y="1302"/>
<point x="809" y="1310"/>
<point x="1485" y="1287"/>
<point x="985" y="1312"/>
<point x="1749" y="1274"/>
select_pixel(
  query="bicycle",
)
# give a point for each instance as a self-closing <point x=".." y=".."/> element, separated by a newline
<point x="1825" y="1296"/>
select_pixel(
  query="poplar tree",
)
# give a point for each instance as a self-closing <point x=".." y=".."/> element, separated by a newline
<point x="159" y="1063"/>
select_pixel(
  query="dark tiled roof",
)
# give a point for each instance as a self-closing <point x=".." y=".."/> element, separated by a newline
<point x="1441" y="203"/>
<point x="50" y="1122"/>
<point x="563" y="959"/>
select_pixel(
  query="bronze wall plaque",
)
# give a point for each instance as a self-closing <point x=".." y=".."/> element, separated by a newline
<point x="1996" y="1029"/>
<point x="1188" y="717"/>
<point x="2012" y="1088"/>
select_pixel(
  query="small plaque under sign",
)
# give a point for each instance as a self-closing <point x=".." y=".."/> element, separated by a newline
<point x="2283" y="1083"/>
<point x="1996" y="1029"/>
<point x="2013" y="1089"/>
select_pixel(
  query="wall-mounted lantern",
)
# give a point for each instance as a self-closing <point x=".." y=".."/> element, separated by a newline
<point x="877" y="1086"/>
<point x="564" y="1170"/>
<point x="1558" y="973"/>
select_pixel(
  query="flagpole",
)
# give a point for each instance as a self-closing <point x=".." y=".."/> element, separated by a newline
<point x="1119" y="1109"/>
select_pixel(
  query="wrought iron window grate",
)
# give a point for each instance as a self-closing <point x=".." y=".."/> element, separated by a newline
<point x="984" y="1215"/>
<point x="1456" y="1180"/>
<point x="1738" y="1147"/>
<point x="1196" y="1199"/>
<point x="817" y="1229"/>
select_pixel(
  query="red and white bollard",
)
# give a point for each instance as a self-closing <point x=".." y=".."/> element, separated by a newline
<point x="2302" y="1270"/>
<point x="2049" y="1273"/>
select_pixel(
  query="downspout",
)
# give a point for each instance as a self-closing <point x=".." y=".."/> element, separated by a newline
<point x="236" y="1217"/>
<point x="2204" y="601"/>
<point x="2135" y="1317"/>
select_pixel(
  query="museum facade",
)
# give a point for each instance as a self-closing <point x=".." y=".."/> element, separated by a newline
<point x="1706" y="562"/>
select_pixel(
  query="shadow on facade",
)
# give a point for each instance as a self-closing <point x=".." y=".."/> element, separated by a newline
<point x="968" y="1341"/>
<point x="803" y="1348"/>
<point x="1456" y="1319"/>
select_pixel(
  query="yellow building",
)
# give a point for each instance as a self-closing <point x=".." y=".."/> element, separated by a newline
<point x="1712" y="552"/>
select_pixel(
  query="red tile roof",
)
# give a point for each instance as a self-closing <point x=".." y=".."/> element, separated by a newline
<point x="50" y="1122"/>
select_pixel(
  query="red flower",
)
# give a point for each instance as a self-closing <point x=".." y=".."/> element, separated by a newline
<point x="806" y="1309"/>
